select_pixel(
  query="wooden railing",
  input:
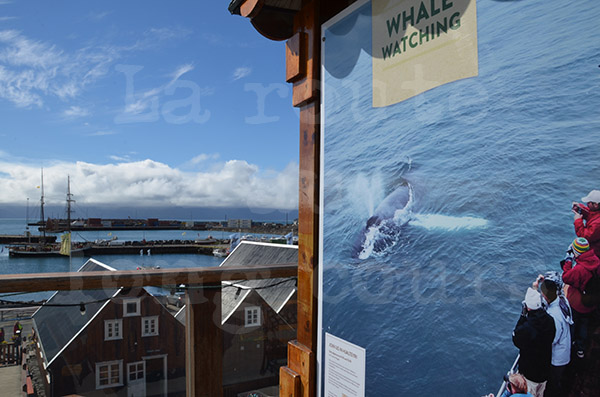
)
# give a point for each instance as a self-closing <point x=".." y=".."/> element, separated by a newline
<point x="203" y="361"/>
<point x="9" y="354"/>
<point x="37" y="282"/>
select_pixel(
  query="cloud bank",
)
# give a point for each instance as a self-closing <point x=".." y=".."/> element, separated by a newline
<point x="234" y="183"/>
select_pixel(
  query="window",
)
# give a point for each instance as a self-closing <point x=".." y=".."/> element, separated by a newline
<point x="252" y="315"/>
<point x="150" y="326"/>
<point x="108" y="374"/>
<point x="135" y="371"/>
<point x="131" y="307"/>
<point x="113" y="329"/>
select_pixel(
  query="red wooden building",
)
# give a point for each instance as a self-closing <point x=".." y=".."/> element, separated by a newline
<point x="125" y="343"/>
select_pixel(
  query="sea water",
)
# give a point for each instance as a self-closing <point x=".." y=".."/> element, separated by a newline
<point x="13" y="265"/>
<point x="492" y="164"/>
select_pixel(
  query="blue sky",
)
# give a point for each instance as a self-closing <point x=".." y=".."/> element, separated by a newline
<point x="147" y="103"/>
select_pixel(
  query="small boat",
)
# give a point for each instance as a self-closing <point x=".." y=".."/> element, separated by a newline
<point x="220" y="252"/>
<point x="148" y="267"/>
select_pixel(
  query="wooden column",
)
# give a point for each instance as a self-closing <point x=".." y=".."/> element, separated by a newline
<point x="204" y="342"/>
<point x="303" y="69"/>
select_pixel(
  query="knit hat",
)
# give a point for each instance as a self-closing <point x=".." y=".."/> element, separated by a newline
<point x="593" y="196"/>
<point x="533" y="299"/>
<point x="580" y="245"/>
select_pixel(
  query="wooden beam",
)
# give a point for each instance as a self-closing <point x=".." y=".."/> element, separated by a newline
<point x="308" y="227"/>
<point x="301" y="360"/>
<point x="139" y="278"/>
<point x="295" y="57"/>
<point x="204" y="342"/>
<point x="307" y="20"/>
<point x="289" y="382"/>
<point x="302" y="352"/>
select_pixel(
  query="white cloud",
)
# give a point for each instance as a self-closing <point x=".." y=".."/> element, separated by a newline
<point x="76" y="111"/>
<point x="203" y="157"/>
<point x="2" y="19"/>
<point x="234" y="183"/>
<point x="139" y="103"/>
<point x="119" y="159"/>
<point x="183" y="69"/>
<point x="241" y="72"/>
<point x="30" y="70"/>
<point x="102" y="133"/>
<point x="100" y="15"/>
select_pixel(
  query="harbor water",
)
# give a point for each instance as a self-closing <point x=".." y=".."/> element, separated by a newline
<point x="13" y="265"/>
<point x="483" y="172"/>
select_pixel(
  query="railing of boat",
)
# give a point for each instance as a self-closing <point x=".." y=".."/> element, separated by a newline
<point x="512" y="370"/>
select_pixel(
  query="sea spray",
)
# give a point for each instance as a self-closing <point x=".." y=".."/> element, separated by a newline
<point x="446" y="222"/>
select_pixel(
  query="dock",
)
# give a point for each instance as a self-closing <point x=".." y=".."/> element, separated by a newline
<point x="117" y="247"/>
<point x="24" y="239"/>
<point x="201" y="249"/>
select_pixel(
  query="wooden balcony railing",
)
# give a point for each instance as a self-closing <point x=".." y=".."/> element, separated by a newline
<point x="203" y="360"/>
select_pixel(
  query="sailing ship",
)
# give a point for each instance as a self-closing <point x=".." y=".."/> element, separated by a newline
<point x="45" y="248"/>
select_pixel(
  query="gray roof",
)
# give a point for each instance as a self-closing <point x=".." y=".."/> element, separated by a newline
<point x="56" y="326"/>
<point x="249" y="253"/>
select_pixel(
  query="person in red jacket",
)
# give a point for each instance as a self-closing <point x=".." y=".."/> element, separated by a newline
<point x="579" y="267"/>
<point x="587" y="219"/>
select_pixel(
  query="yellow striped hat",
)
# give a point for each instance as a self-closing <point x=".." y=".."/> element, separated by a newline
<point x="580" y="245"/>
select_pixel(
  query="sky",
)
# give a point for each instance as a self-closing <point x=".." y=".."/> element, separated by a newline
<point x="143" y="104"/>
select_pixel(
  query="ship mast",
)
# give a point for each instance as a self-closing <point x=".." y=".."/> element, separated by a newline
<point x="43" y="218"/>
<point x="69" y="201"/>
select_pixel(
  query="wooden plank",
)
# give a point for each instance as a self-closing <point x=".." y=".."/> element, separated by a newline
<point x="307" y="20"/>
<point x="308" y="247"/>
<point x="29" y="386"/>
<point x="289" y="383"/>
<point x="204" y="343"/>
<point x="139" y="278"/>
<point x="295" y="57"/>
<point x="301" y="360"/>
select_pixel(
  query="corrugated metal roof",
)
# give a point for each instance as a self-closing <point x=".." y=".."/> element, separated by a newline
<point x="57" y="326"/>
<point x="249" y="253"/>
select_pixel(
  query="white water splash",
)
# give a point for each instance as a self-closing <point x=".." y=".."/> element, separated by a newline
<point x="380" y="238"/>
<point x="446" y="222"/>
<point x="364" y="192"/>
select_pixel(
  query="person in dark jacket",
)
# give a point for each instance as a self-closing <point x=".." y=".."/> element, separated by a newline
<point x="533" y="335"/>
<point x="578" y="269"/>
<point x="587" y="219"/>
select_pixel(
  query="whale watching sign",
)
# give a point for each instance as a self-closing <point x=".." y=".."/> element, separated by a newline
<point x="421" y="44"/>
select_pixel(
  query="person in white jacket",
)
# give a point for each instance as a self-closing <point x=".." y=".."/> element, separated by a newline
<point x="560" y="312"/>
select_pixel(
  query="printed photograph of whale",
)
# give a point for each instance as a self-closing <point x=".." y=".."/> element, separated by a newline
<point x="384" y="226"/>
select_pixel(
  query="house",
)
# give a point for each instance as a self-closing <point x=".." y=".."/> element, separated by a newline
<point x="258" y="318"/>
<point x="122" y="342"/>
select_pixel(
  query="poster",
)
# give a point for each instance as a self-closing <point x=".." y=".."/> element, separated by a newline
<point x="438" y="211"/>
<point x="421" y="44"/>
<point x="344" y="368"/>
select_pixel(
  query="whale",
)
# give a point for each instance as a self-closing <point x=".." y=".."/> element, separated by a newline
<point x="382" y="228"/>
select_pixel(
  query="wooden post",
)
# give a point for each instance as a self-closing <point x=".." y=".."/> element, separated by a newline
<point x="299" y="377"/>
<point x="204" y="342"/>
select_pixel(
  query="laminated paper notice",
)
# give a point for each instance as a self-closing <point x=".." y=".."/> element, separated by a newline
<point x="345" y="366"/>
<point x="421" y="44"/>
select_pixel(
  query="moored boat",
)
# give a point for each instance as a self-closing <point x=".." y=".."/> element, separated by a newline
<point x="220" y="252"/>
